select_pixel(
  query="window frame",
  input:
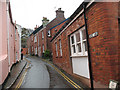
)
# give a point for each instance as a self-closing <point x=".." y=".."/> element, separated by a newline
<point x="49" y="33"/>
<point x="60" y="47"/>
<point x="35" y="39"/>
<point x="81" y="42"/>
<point x="42" y="35"/>
<point x="55" y="29"/>
<point x="43" y="48"/>
<point x="56" y="49"/>
<point x="32" y="48"/>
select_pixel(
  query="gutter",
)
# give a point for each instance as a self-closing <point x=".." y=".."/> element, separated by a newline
<point x="88" y="46"/>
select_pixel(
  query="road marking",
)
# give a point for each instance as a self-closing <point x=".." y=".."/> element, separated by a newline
<point x="64" y="76"/>
<point x="23" y="75"/>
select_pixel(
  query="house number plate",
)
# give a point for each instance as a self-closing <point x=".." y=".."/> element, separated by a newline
<point x="93" y="35"/>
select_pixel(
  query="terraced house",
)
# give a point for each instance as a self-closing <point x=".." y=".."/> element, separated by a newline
<point x="39" y="40"/>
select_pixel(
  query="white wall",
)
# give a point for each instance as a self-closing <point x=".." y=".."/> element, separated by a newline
<point x="80" y="66"/>
<point x="19" y="29"/>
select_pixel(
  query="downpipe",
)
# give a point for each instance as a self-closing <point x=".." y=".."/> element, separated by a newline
<point x="88" y="46"/>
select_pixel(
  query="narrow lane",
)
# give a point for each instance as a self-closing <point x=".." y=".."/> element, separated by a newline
<point x="35" y="75"/>
<point x="41" y="74"/>
<point x="56" y="80"/>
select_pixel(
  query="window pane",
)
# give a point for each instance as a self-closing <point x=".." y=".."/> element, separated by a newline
<point x="85" y="44"/>
<point x="74" y="51"/>
<point x="56" y="49"/>
<point x="60" y="48"/>
<point x="72" y="39"/>
<point x="49" y="33"/>
<point x="78" y="37"/>
<point x="83" y="34"/>
<point x="42" y="34"/>
<point x="43" y="48"/>
<point x="79" y="47"/>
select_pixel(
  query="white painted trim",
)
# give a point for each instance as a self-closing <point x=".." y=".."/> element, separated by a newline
<point x="83" y="52"/>
<point x="74" y="19"/>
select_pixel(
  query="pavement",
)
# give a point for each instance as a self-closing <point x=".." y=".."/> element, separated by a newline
<point x="14" y="74"/>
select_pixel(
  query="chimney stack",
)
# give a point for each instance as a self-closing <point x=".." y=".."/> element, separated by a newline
<point x="36" y="27"/>
<point x="59" y="13"/>
<point x="45" y="21"/>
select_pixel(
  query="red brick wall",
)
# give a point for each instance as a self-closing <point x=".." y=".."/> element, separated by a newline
<point x="32" y="44"/>
<point x="119" y="41"/>
<point x="53" y="32"/>
<point x="42" y="41"/>
<point x="65" y="62"/>
<point x="35" y="43"/>
<point x="53" y="23"/>
<point x="102" y="18"/>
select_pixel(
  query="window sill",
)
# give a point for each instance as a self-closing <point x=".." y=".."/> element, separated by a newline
<point x="79" y="56"/>
<point x="60" y="56"/>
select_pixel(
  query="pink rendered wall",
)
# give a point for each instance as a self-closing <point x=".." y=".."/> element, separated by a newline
<point x="3" y="42"/>
<point x="7" y="29"/>
<point x="12" y="43"/>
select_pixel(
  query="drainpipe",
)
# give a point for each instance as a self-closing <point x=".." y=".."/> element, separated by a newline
<point x="88" y="46"/>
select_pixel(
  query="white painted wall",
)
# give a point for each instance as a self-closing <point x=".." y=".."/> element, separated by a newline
<point x="80" y="66"/>
<point x="19" y="29"/>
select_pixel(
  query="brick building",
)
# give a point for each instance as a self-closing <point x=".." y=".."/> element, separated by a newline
<point x="38" y="40"/>
<point x="70" y="47"/>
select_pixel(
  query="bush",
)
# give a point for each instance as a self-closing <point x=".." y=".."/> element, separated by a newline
<point x="47" y="54"/>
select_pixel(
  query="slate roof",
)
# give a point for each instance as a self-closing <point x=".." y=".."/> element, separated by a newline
<point x="37" y="30"/>
<point x="59" y="24"/>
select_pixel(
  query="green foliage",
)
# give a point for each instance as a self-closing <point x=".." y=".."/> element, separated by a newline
<point x="47" y="54"/>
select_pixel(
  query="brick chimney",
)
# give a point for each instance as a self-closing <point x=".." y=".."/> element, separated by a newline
<point x="45" y="21"/>
<point x="36" y="27"/>
<point x="59" y="13"/>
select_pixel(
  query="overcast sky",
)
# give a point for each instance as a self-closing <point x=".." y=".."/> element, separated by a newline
<point x="28" y="13"/>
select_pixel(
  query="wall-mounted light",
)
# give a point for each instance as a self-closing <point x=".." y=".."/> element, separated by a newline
<point x="113" y="84"/>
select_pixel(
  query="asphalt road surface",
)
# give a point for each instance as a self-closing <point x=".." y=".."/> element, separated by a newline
<point x="39" y="74"/>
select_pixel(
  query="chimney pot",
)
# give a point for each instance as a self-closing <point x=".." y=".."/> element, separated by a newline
<point x="59" y="13"/>
<point x="45" y="21"/>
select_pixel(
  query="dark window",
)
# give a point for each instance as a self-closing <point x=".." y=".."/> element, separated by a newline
<point x="119" y="23"/>
<point x="79" y="47"/>
<point x="74" y="50"/>
<point x="72" y="39"/>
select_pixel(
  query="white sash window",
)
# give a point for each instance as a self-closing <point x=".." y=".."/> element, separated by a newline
<point x="56" y="49"/>
<point x="60" y="48"/>
<point x="42" y="35"/>
<point x="78" y="43"/>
